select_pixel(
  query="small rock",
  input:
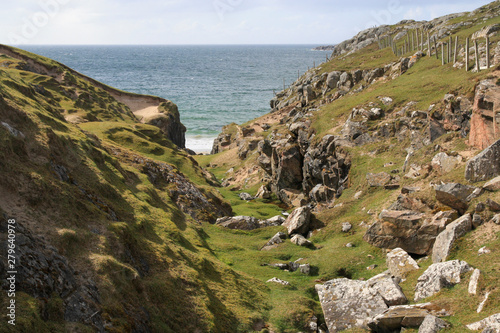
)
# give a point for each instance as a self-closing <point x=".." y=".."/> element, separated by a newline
<point x="238" y="222"/>
<point x="477" y="220"/>
<point x="371" y="267"/>
<point x="378" y="179"/>
<point x="480" y="207"/>
<point x="483" y="250"/>
<point x="273" y="221"/>
<point x="492" y="205"/>
<point x="481" y="305"/>
<point x="349" y="245"/>
<point x="473" y="282"/>
<point x="409" y="189"/>
<point x="445" y="163"/>
<point x="275" y="240"/>
<point x="346" y="227"/>
<point x="305" y="269"/>
<point x="496" y="219"/>
<point x="358" y="195"/>
<point x="492" y="185"/>
<point x="432" y="324"/>
<point x="276" y="280"/>
<point x="300" y="240"/>
<point x="245" y="196"/>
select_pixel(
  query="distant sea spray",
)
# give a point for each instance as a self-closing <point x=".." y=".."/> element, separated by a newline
<point x="212" y="85"/>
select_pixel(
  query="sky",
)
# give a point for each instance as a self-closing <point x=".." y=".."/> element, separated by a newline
<point x="319" y="22"/>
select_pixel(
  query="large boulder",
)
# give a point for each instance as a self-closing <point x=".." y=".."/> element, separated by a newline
<point x="400" y="263"/>
<point x="404" y="229"/>
<point x="485" y="165"/>
<point x="438" y="276"/>
<point x="454" y="195"/>
<point x="238" y="222"/>
<point x="347" y="303"/>
<point x="487" y="323"/>
<point x="298" y="221"/>
<point x="446" y="239"/>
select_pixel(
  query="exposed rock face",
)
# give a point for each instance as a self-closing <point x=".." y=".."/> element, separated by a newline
<point x="238" y="222"/>
<point x="485" y="128"/>
<point x="454" y="195"/>
<point x="45" y="272"/>
<point x="188" y="197"/>
<point x="400" y="263"/>
<point x="361" y="40"/>
<point x="404" y="229"/>
<point x="168" y="120"/>
<point x="438" y="276"/>
<point x="485" y="165"/>
<point x="347" y="303"/>
<point x="446" y="239"/>
<point x="298" y="221"/>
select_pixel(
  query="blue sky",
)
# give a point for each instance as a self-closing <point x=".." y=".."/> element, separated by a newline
<point x="207" y="21"/>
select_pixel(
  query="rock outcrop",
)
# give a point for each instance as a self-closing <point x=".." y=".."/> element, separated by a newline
<point x="409" y="230"/>
<point x="45" y="273"/>
<point x="485" y="165"/>
<point x="485" y="129"/>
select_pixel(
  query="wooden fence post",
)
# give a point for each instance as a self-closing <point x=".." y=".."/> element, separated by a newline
<point x="456" y="50"/>
<point x="442" y="53"/>
<point x="422" y="39"/>
<point x="436" y="48"/>
<point x="450" y="49"/>
<point x="467" y="54"/>
<point x="477" y="56"/>
<point x="488" y="54"/>
<point x="429" y="43"/>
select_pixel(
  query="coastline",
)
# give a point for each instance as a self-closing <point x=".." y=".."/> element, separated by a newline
<point x="200" y="144"/>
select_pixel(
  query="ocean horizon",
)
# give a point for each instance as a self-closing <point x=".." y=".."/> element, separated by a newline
<point x="213" y="85"/>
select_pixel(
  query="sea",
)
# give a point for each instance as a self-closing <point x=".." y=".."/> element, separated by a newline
<point x="213" y="85"/>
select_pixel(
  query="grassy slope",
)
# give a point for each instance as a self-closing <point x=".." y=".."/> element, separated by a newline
<point x="186" y="288"/>
<point x="426" y="83"/>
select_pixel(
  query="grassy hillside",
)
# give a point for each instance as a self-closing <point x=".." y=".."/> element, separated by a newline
<point x="88" y="191"/>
